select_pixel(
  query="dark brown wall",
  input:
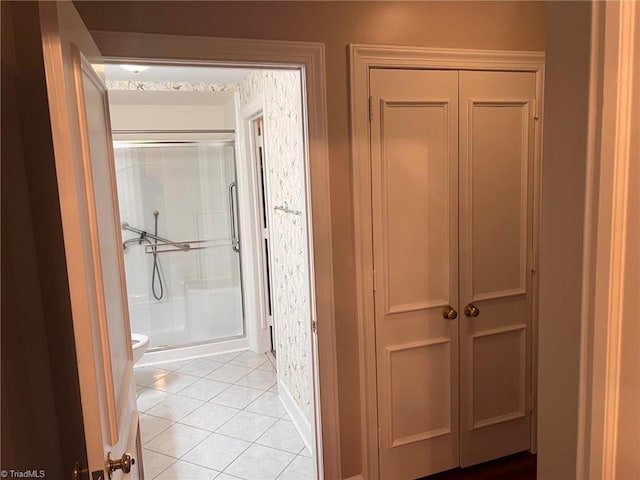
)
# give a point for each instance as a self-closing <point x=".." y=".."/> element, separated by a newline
<point x="482" y="25"/>
<point x="41" y="412"/>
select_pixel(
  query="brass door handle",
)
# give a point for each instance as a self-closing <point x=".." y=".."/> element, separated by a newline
<point x="448" y="313"/>
<point x="124" y="464"/>
<point x="471" y="310"/>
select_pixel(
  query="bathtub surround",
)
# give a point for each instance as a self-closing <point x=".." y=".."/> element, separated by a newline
<point x="188" y="186"/>
<point x="284" y="153"/>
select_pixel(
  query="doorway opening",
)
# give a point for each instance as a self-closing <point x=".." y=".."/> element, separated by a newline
<point x="212" y="194"/>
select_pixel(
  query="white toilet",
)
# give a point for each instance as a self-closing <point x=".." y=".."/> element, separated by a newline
<point x="140" y="343"/>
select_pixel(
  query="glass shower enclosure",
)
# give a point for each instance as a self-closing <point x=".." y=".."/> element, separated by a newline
<point x="178" y="208"/>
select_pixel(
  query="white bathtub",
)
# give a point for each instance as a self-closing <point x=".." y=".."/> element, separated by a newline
<point x="164" y="322"/>
<point x="213" y="308"/>
<point x="208" y="311"/>
<point x="206" y="321"/>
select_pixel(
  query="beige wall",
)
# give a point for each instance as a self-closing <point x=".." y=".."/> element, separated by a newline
<point x="562" y="229"/>
<point x="173" y="110"/>
<point x="483" y="25"/>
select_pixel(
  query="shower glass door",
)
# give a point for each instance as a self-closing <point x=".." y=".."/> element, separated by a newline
<point x="178" y="208"/>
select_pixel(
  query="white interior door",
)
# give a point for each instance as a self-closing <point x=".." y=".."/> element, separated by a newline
<point x="260" y="167"/>
<point x="496" y="223"/>
<point x="415" y="194"/>
<point x="86" y="182"/>
<point x="414" y="147"/>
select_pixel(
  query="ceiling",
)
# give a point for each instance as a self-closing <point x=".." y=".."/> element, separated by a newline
<point x="167" y="73"/>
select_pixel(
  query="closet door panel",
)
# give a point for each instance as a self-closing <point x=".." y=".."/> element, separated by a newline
<point x="496" y="186"/>
<point x="498" y="194"/>
<point x="413" y="142"/>
<point x="414" y="186"/>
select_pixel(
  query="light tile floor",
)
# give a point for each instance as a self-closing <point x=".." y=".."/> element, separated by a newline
<point x="217" y="417"/>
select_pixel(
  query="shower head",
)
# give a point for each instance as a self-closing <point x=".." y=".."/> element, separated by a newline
<point x="156" y="213"/>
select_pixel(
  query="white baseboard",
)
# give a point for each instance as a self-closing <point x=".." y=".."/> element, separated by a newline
<point x="297" y="417"/>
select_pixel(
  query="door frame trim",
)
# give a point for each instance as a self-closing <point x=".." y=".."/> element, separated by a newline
<point x="309" y="57"/>
<point x="362" y="58"/>
<point x="254" y="268"/>
<point x="606" y="289"/>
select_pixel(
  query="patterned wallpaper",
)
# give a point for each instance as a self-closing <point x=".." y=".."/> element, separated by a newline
<point x="284" y="155"/>
<point x="151" y="86"/>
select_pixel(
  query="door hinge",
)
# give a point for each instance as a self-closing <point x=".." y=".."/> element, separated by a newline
<point x="532" y="407"/>
<point x="536" y="109"/>
<point x="534" y="261"/>
<point x="375" y="282"/>
<point x="370" y="108"/>
<point x="314" y="326"/>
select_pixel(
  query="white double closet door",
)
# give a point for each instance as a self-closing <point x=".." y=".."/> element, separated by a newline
<point x="452" y="193"/>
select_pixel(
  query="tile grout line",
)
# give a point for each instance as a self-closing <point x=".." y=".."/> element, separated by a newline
<point x="167" y="467"/>
<point x="160" y="432"/>
<point x="170" y="394"/>
<point x="285" y="467"/>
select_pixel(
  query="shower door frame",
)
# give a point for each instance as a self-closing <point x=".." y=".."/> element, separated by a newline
<point x="309" y="59"/>
<point x="198" y="347"/>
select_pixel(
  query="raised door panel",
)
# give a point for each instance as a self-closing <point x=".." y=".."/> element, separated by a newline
<point x="427" y="398"/>
<point x="414" y="179"/>
<point x="496" y="218"/>
<point x="116" y="361"/>
<point x="502" y="355"/>
<point x="498" y="161"/>
<point x="414" y="154"/>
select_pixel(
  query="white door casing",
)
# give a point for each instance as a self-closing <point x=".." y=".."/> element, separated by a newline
<point x="607" y="443"/>
<point x="252" y="243"/>
<point x="261" y="186"/>
<point x="86" y="182"/>
<point x="309" y="58"/>
<point x="364" y="58"/>
<point x="414" y="147"/>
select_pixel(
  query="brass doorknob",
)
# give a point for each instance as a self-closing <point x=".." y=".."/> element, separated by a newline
<point x="448" y="313"/>
<point x="124" y="464"/>
<point x="471" y="310"/>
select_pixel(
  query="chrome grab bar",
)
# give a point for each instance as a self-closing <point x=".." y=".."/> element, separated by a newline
<point x="154" y="248"/>
<point x="235" y="240"/>
<point x="285" y="208"/>
<point x="144" y="234"/>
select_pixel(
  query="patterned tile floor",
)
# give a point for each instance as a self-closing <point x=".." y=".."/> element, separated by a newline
<point x="217" y="417"/>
